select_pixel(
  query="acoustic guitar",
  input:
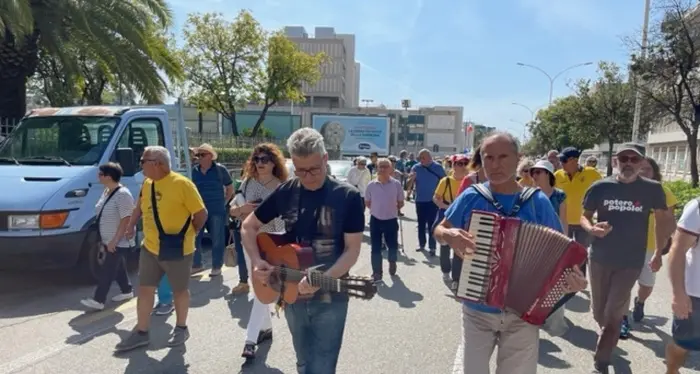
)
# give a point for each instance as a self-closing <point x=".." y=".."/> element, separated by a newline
<point x="288" y="259"/>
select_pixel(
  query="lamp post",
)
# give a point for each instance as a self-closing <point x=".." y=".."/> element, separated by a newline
<point x="524" y="125"/>
<point x="553" y="78"/>
<point x="638" y="96"/>
<point x="532" y="114"/>
<point x="367" y="102"/>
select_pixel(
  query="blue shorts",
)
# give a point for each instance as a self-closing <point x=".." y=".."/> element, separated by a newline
<point x="686" y="332"/>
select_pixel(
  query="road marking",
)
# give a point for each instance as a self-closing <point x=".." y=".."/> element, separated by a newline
<point x="458" y="365"/>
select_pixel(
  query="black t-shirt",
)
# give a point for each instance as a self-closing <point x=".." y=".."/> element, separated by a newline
<point x="319" y="218"/>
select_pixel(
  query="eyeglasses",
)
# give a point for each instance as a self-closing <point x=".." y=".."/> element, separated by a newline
<point x="201" y="154"/>
<point x="526" y="170"/>
<point x="304" y="172"/>
<point x="261" y="160"/>
<point x="460" y="164"/>
<point x="536" y="171"/>
<point x="145" y="160"/>
<point x="630" y="159"/>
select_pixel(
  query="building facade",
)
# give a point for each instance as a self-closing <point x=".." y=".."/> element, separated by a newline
<point x="668" y="145"/>
<point x="339" y="86"/>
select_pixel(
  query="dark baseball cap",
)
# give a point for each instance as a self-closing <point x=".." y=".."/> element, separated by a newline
<point x="632" y="147"/>
<point x="569" y="152"/>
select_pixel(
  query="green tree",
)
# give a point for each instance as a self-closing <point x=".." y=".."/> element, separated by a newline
<point x="262" y="132"/>
<point x="220" y="60"/>
<point x="285" y="69"/>
<point x="607" y="108"/>
<point x="114" y="33"/>
<point x="667" y="76"/>
<point x="558" y="126"/>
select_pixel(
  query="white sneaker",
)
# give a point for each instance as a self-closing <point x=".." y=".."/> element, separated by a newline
<point x="446" y="277"/>
<point x="123" y="297"/>
<point x="92" y="304"/>
<point x="215" y="272"/>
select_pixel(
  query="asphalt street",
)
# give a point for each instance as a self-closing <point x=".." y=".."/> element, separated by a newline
<point x="411" y="326"/>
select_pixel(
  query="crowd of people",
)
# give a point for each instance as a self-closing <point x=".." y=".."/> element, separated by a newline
<point x="606" y="215"/>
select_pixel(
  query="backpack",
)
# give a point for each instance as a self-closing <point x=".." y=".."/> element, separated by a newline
<point x="526" y="195"/>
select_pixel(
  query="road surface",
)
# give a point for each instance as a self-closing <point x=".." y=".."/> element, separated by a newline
<point x="411" y="326"/>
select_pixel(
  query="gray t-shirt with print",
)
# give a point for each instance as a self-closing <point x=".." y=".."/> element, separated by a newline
<point x="626" y="207"/>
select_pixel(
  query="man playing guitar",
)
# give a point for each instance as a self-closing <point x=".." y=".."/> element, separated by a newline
<point x="327" y="217"/>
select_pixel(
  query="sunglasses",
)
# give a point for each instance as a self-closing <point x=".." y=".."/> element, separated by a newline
<point x="536" y="171"/>
<point x="526" y="170"/>
<point x="304" y="172"/>
<point x="261" y="160"/>
<point x="201" y="154"/>
<point x="460" y="164"/>
<point x="630" y="159"/>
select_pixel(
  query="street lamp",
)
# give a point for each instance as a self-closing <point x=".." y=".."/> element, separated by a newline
<point x="524" y="125"/>
<point x="638" y="96"/>
<point x="553" y="78"/>
<point x="532" y="112"/>
<point x="367" y="102"/>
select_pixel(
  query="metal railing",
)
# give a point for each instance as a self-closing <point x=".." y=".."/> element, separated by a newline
<point x="229" y="141"/>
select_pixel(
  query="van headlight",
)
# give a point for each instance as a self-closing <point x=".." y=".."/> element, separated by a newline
<point x="48" y="220"/>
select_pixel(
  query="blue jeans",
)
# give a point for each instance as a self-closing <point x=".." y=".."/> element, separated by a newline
<point x="165" y="293"/>
<point x="317" y="329"/>
<point x="387" y="229"/>
<point x="216" y="227"/>
<point x="242" y="268"/>
<point x="427" y="213"/>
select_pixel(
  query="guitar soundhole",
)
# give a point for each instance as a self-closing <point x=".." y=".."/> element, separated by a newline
<point x="275" y="282"/>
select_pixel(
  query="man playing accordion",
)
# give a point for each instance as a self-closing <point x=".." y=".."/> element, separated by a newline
<point x="485" y="327"/>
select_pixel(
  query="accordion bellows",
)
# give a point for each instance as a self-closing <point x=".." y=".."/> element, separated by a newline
<point x="518" y="266"/>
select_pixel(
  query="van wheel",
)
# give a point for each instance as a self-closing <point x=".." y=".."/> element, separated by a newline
<point x="92" y="258"/>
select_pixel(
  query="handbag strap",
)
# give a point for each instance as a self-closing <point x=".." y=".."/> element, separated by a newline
<point x="99" y="214"/>
<point x="525" y="195"/>
<point x="156" y="217"/>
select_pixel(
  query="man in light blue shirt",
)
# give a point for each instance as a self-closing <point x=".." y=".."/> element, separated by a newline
<point x="426" y="175"/>
<point x="485" y="326"/>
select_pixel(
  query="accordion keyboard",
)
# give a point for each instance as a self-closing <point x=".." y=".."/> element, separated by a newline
<point x="474" y="279"/>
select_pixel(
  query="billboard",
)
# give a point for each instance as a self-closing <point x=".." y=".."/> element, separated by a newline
<point x="354" y="135"/>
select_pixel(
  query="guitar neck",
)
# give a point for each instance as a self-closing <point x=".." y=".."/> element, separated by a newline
<point x="315" y="278"/>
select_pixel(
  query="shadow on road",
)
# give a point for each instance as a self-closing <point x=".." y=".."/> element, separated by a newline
<point x="579" y="304"/>
<point x="207" y="289"/>
<point x="580" y="337"/>
<point x="400" y="293"/>
<point x="240" y="307"/>
<point x="546" y="358"/>
<point x="259" y="365"/>
<point x="140" y="362"/>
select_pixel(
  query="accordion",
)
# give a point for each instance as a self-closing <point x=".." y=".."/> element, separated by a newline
<point x="517" y="266"/>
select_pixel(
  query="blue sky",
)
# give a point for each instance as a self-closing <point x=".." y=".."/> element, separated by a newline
<point x="459" y="52"/>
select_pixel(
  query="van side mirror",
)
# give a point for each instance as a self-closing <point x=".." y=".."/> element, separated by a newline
<point x="125" y="158"/>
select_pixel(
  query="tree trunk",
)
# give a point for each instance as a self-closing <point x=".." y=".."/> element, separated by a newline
<point x="693" y="148"/>
<point x="611" y="143"/>
<point x="260" y="120"/>
<point x="13" y="101"/>
<point x="234" y="125"/>
<point x="18" y="61"/>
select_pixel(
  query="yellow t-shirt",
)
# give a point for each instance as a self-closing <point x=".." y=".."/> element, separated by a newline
<point x="575" y="189"/>
<point x="651" y="235"/>
<point x="450" y="194"/>
<point x="177" y="198"/>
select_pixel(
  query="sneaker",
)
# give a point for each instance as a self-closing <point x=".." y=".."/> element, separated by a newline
<point x="163" y="309"/>
<point x="215" y="272"/>
<point x="179" y="336"/>
<point x="432" y="253"/>
<point x="196" y="269"/>
<point x="377" y="277"/>
<point x="123" y="297"/>
<point x="625" y="329"/>
<point x="638" y="311"/>
<point x="136" y="339"/>
<point x="241" y="288"/>
<point x="264" y="336"/>
<point x="392" y="268"/>
<point x="446" y="277"/>
<point x="454" y="286"/>
<point x="92" y="304"/>
<point x="248" y="351"/>
<point x="421" y="249"/>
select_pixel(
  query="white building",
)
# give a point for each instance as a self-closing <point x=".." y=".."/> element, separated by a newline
<point x="339" y="86"/>
<point x="668" y="145"/>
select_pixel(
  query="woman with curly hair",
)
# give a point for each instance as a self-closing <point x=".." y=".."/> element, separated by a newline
<point x="264" y="171"/>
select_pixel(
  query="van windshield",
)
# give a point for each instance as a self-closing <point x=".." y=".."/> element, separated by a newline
<point x="58" y="140"/>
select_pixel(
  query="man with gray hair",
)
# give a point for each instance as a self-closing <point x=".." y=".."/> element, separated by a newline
<point x="173" y="213"/>
<point x="326" y="217"/>
<point x="426" y="176"/>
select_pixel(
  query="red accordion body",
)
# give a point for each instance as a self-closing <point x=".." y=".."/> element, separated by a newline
<point x="518" y="266"/>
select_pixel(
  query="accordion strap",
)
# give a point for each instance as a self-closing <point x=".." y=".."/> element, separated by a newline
<point x="525" y="195"/>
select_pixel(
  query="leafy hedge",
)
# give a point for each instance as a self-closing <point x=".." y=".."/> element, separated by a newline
<point x="684" y="192"/>
<point x="236" y="156"/>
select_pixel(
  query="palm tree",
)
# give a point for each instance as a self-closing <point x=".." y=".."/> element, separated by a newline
<point x="123" y="36"/>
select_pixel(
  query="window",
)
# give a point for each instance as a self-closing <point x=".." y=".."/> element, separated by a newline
<point x="59" y="140"/>
<point x="671" y="160"/>
<point x="682" y="159"/>
<point x="662" y="160"/>
<point x="139" y="134"/>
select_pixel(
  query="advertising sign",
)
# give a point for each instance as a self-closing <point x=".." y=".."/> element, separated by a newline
<point x="354" y="135"/>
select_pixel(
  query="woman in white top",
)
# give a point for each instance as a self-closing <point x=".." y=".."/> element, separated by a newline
<point x="112" y="213"/>
<point x="264" y="171"/>
<point x="359" y="176"/>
